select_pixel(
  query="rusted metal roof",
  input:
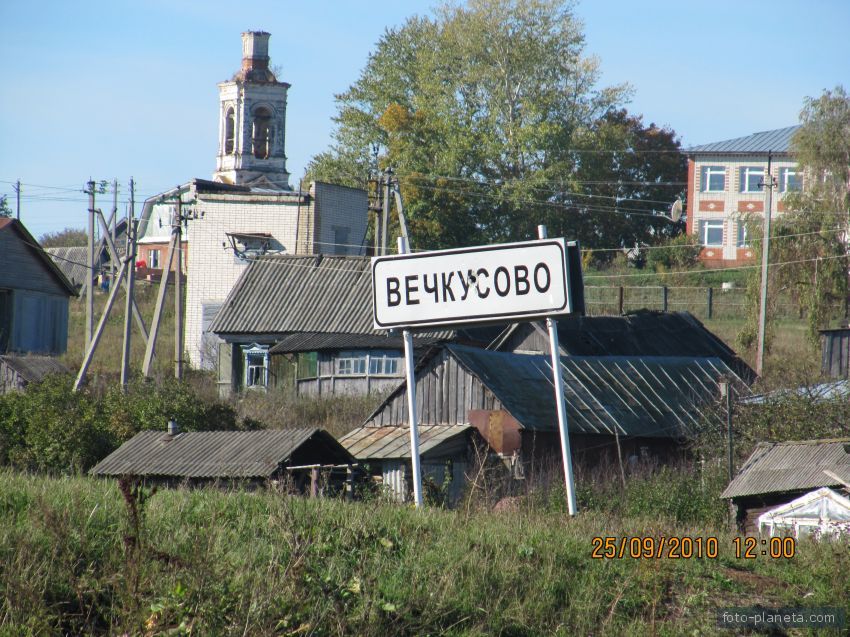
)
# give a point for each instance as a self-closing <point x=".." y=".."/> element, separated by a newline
<point x="778" y="141"/>
<point x="219" y="454"/>
<point x="34" y="368"/>
<point x="384" y="443"/>
<point x="776" y="467"/>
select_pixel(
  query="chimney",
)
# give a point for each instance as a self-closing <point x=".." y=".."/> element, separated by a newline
<point x="173" y="427"/>
<point x="255" y="51"/>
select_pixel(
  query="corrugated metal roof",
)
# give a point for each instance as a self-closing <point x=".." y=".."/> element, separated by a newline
<point x="643" y="333"/>
<point x="776" y="467"/>
<point x="34" y="368"/>
<point x="382" y="443"/>
<point x="663" y="397"/>
<point x="822" y="391"/>
<point x="213" y="454"/>
<point x="778" y="141"/>
<point x="283" y="294"/>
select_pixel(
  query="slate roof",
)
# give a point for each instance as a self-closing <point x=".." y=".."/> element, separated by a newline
<point x="72" y="262"/>
<point x="776" y="467"/>
<point x="661" y="397"/>
<point x="381" y="443"/>
<point x="778" y="141"/>
<point x="316" y="341"/>
<point x="34" y="368"/>
<point x="284" y="294"/>
<point x="215" y="454"/>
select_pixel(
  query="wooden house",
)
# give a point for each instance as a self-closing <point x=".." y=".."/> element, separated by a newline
<point x="306" y="321"/>
<point x="778" y="472"/>
<point x="626" y="408"/>
<point x="33" y="295"/>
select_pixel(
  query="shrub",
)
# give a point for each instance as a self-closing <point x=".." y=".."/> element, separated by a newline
<point x="679" y="253"/>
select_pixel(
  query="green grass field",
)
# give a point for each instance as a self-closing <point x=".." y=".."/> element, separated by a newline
<point x="206" y="562"/>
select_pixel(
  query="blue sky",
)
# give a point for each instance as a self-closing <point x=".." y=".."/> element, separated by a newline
<point x="114" y="89"/>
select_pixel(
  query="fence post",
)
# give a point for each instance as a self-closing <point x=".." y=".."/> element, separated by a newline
<point x="710" y="301"/>
<point x="620" y="302"/>
<point x="664" y="298"/>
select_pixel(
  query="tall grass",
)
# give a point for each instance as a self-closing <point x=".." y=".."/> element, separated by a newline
<point x="261" y="563"/>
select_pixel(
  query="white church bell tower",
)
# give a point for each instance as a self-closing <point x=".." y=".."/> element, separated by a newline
<point x="252" y="121"/>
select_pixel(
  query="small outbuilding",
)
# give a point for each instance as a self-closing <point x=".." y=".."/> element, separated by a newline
<point x="778" y="473"/>
<point x="822" y="512"/>
<point x="241" y="457"/>
<point x="16" y="372"/>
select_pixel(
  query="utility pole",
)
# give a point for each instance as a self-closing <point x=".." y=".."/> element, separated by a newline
<point x="17" y="188"/>
<point x="769" y="184"/>
<point x="89" y="326"/>
<point x="112" y="223"/>
<point x="385" y="215"/>
<point x="130" y="255"/>
<point x="178" y="289"/>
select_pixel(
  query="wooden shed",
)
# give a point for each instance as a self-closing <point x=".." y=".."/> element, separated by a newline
<point x="626" y="407"/>
<point x="778" y="472"/>
<point x="16" y="372"/>
<point x="33" y="295"/>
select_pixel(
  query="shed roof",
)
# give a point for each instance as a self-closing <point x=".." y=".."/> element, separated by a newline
<point x="776" y="467"/>
<point x="71" y="261"/>
<point x="316" y="341"/>
<point x="662" y="397"/>
<point x="383" y="443"/>
<point x="778" y="141"/>
<point x="215" y="454"/>
<point x="34" y="368"/>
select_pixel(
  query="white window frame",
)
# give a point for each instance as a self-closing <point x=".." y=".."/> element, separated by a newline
<point x="714" y="224"/>
<point x="154" y="255"/>
<point x="796" y="172"/>
<point x="743" y="239"/>
<point x="708" y="172"/>
<point x="352" y="363"/>
<point x="748" y="172"/>
<point x="255" y="376"/>
<point x="384" y="363"/>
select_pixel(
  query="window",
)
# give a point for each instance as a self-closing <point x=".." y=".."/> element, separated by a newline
<point x="711" y="232"/>
<point x="713" y="179"/>
<point x="229" y="131"/>
<point x="790" y="180"/>
<point x="384" y="363"/>
<point x="256" y="366"/>
<point x="351" y="363"/>
<point x="263" y="132"/>
<point x="154" y="257"/>
<point x="752" y="178"/>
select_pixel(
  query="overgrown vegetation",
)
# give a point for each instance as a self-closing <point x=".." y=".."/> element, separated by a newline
<point x="212" y="563"/>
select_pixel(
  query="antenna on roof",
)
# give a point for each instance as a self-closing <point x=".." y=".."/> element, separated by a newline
<point x="676" y="209"/>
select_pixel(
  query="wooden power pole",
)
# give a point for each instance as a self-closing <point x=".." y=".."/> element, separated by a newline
<point x="131" y="282"/>
<point x="768" y="184"/>
<point x="89" y="326"/>
<point x="178" y="290"/>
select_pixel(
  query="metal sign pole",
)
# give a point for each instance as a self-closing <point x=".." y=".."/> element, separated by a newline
<point x="411" y="403"/>
<point x="558" y="379"/>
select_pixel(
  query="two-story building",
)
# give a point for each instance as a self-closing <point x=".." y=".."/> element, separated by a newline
<point x="248" y="209"/>
<point x="726" y="187"/>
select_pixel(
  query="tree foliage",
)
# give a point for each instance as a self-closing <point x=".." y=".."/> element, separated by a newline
<point x="491" y="116"/>
<point x="5" y="210"/>
<point x="810" y="238"/>
<point x="67" y="238"/>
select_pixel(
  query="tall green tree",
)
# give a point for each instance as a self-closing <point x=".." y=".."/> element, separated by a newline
<point x="491" y="116"/>
<point x="811" y="237"/>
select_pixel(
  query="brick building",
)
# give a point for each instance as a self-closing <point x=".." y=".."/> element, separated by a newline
<point x="725" y="186"/>
<point x="248" y="209"/>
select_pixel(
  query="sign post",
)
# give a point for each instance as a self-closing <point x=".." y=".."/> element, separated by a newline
<point x="524" y="281"/>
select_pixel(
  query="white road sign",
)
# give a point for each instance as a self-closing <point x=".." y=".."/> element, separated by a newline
<point x="512" y="281"/>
